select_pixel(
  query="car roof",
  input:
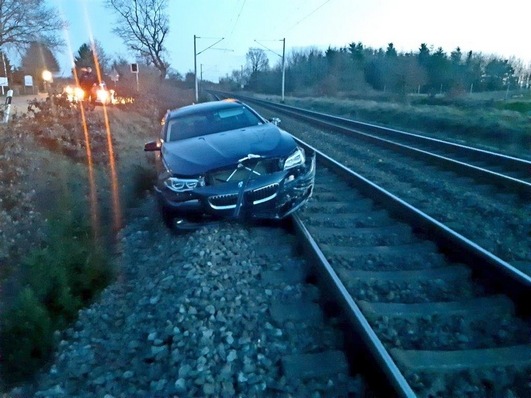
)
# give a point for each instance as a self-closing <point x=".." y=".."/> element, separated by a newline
<point x="204" y="107"/>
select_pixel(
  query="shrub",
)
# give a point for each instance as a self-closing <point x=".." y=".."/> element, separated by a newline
<point x="47" y="278"/>
<point x="75" y="250"/>
<point x="26" y="335"/>
<point x="60" y="278"/>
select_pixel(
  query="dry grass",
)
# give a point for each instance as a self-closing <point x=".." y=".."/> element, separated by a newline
<point x="46" y="186"/>
<point x="502" y="126"/>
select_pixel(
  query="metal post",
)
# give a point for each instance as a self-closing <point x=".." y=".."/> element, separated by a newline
<point x="195" y="71"/>
<point x="5" y="70"/>
<point x="4" y="62"/>
<point x="8" y="105"/>
<point x="283" y="67"/>
<point x="283" y="56"/>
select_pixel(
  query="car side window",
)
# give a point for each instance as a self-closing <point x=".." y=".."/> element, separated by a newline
<point x="182" y="128"/>
<point x="174" y="132"/>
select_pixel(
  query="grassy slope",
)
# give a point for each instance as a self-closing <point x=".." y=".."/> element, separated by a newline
<point x="501" y="126"/>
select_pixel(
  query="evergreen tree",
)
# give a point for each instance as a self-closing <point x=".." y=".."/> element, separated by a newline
<point x="84" y="57"/>
<point x="499" y="74"/>
<point x="439" y="72"/>
<point x="357" y="52"/>
<point x="424" y="55"/>
<point x="391" y="51"/>
<point x="88" y="55"/>
<point x="39" y="57"/>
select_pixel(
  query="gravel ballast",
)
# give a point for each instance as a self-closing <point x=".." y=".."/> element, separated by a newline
<point x="497" y="221"/>
<point x="190" y="315"/>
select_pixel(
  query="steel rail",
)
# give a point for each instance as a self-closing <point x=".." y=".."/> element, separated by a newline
<point x="499" y="275"/>
<point x="385" y="137"/>
<point x="379" y="360"/>
<point x="507" y="279"/>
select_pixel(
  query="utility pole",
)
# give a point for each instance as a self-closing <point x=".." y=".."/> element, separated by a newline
<point x="283" y="67"/>
<point x="283" y="56"/>
<point x="195" y="62"/>
<point x="195" y="71"/>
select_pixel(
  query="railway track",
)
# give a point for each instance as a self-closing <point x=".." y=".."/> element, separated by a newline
<point x="487" y="212"/>
<point x="510" y="173"/>
<point x="437" y="314"/>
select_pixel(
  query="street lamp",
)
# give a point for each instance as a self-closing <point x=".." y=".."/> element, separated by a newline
<point x="47" y="77"/>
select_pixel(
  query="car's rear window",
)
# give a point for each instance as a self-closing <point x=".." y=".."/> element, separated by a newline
<point x="214" y="121"/>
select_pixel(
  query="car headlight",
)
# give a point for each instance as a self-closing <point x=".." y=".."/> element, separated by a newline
<point x="177" y="184"/>
<point x="102" y="95"/>
<point x="297" y="158"/>
<point x="78" y="92"/>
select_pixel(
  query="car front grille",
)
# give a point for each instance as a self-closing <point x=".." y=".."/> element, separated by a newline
<point x="254" y="197"/>
<point x="223" y="202"/>
<point x="263" y="194"/>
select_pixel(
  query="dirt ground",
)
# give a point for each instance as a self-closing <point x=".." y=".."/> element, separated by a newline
<point x="19" y="103"/>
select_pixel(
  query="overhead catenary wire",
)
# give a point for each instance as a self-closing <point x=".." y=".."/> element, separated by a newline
<point x="237" y="18"/>
<point x="307" y="16"/>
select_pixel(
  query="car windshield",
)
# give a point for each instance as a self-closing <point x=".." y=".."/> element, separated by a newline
<point x="210" y="122"/>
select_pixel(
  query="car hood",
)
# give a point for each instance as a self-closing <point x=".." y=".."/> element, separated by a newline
<point x="195" y="156"/>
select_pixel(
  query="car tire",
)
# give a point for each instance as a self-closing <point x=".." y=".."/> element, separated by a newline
<point x="168" y="218"/>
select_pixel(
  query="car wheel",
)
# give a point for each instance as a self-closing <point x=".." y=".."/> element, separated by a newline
<point x="167" y="217"/>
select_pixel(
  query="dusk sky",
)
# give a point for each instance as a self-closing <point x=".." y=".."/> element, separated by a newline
<point x="489" y="27"/>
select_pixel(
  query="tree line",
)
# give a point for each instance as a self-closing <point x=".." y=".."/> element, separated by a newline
<point x="357" y="68"/>
<point x="32" y="28"/>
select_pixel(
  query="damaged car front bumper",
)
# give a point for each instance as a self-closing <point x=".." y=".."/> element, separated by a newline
<point x="267" y="196"/>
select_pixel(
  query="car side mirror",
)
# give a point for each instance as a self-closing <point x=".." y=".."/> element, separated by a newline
<point x="152" y="146"/>
<point x="275" y="121"/>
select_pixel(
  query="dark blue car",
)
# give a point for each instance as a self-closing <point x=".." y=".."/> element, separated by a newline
<point x="222" y="159"/>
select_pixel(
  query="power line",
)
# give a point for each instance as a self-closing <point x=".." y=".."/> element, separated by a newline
<point x="308" y="15"/>
<point x="237" y="18"/>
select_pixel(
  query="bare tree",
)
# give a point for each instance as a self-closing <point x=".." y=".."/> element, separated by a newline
<point x="258" y="63"/>
<point x="23" y="22"/>
<point x="143" y="25"/>
<point x="257" y="59"/>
